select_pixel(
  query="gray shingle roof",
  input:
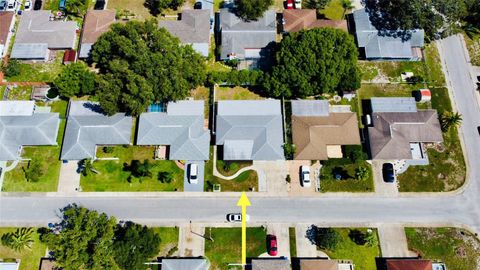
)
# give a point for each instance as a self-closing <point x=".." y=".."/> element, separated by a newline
<point x="181" y="127"/>
<point x="393" y="104"/>
<point x="18" y="131"/>
<point x="270" y="264"/>
<point x="310" y="107"/>
<point x="388" y="47"/>
<point x="239" y="36"/>
<point x="185" y="264"/>
<point x="250" y="129"/>
<point x="87" y="127"/>
<point x="36" y="28"/>
<point x="193" y="28"/>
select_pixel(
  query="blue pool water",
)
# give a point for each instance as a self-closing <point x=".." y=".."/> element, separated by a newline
<point x="157" y="107"/>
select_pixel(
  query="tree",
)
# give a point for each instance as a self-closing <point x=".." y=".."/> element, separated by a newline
<point x="141" y="64"/>
<point x="316" y="4"/>
<point x="12" y="68"/>
<point x="86" y="167"/>
<point x="309" y="63"/>
<point x="165" y="177"/>
<point x="361" y="173"/>
<point x="75" y="80"/>
<point x="34" y="170"/>
<point x="139" y="169"/>
<point x="77" y="8"/>
<point x="327" y="238"/>
<point x="134" y="244"/>
<point x="21" y="239"/>
<point x="85" y="240"/>
<point x="251" y="10"/>
<point x="438" y="18"/>
<point x="449" y="120"/>
<point x="157" y="6"/>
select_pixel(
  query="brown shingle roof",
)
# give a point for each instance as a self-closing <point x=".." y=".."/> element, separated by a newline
<point x="5" y="22"/>
<point x="299" y="19"/>
<point x="392" y="132"/>
<point x="312" y="134"/>
<point x="318" y="265"/>
<point x="409" y="264"/>
<point x="96" y="23"/>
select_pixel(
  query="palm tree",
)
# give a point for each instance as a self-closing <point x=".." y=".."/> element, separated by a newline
<point x="347" y="6"/>
<point x="86" y="167"/>
<point x="449" y="120"/>
<point x="20" y="239"/>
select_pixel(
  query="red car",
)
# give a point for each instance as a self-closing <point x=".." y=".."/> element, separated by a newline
<point x="272" y="245"/>
<point x="289" y="4"/>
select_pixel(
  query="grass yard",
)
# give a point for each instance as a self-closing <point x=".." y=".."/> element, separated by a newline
<point x="446" y="170"/>
<point x="169" y="240"/>
<point x="473" y="46"/>
<point x="235" y="93"/>
<point x="348" y="183"/>
<point x="433" y="66"/>
<point x="30" y="258"/>
<point x="112" y="177"/>
<point x="457" y="248"/>
<point x="334" y="10"/>
<point x="39" y="72"/>
<point x="226" y="246"/>
<point x="293" y="242"/>
<point x="363" y="256"/>
<point x="134" y="6"/>
<point x="202" y="93"/>
<point x="229" y="168"/>
<point x="20" y="93"/>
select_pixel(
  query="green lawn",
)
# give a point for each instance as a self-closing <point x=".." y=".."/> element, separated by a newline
<point x="433" y="65"/>
<point x="112" y="177"/>
<point x="30" y="258"/>
<point x="20" y="93"/>
<point x="457" y="248"/>
<point x="134" y="6"/>
<point x="169" y="239"/>
<point x="446" y="170"/>
<point x="333" y="10"/>
<point x="39" y="72"/>
<point x="473" y="46"/>
<point x="293" y="242"/>
<point x="349" y="183"/>
<point x="229" y="168"/>
<point x="226" y="246"/>
<point x="363" y="256"/>
<point x="235" y="93"/>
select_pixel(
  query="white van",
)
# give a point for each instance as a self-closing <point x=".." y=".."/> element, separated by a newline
<point x="12" y="5"/>
<point x="193" y="173"/>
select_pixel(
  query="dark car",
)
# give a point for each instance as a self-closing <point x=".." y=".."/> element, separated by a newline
<point x="197" y="5"/>
<point x="37" y="5"/>
<point x="99" y="5"/>
<point x="272" y="245"/>
<point x="388" y="173"/>
<point x="478" y="129"/>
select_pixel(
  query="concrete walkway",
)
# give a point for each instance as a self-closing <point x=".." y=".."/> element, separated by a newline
<point x="191" y="241"/>
<point x="393" y="241"/>
<point x="69" y="179"/>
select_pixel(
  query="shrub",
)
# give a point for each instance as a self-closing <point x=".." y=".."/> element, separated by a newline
<point x="289" y="150"/>
<point x="355" y="153"/>
<point x="327" y="238"/>
<point x="288" y="179"/>
<point x="108" y="149"/>
<point x="362" y="173"/>
<point x="165" y="177"/>
<point x="13" y="68"/>
<point x="358" y="237"/>
<point x="34" y="170"/>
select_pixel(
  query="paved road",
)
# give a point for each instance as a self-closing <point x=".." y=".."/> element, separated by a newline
<point x="419" y="210"/>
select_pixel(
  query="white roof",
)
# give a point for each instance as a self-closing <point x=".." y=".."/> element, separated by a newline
<point x="16" y="107"/>
<point x="9" y="265"/>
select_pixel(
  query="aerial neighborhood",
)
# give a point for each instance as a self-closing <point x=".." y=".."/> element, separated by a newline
<point x="239" y="134"/>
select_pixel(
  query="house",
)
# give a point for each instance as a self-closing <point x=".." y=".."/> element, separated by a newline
<point x="181" y="128"/>
<point x="303" y="19"/>
<point x="250" y="129"/>
<point x="7" y="23"/>
<point x="412" y="264"/>
<point x="87" y="127"/>
<point x="96" y="23"/>
<point x="192" y="28"/>
<point x="185" y="264"/>
<point x="324" y="264"/>
<point x="37" y="34"/>
<point x="398" y="129"/>
<point x="318" y="131"/>
<point x="389" y="46"/>
<point x="271" y="264"/>
<point x="22" y="125"/>
<point x="10" y="265"/>
<point x="246" y="39"/>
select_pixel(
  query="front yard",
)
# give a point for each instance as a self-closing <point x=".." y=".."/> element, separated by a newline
<point x="168" y="240"/>
<point x="348" y="181"/>
<point x="112" y="176"/>
<point x="227" y="243"/>
<point x="473" y="46"/>
<point x="457" y="248"/>
<point x="30" y="258"/>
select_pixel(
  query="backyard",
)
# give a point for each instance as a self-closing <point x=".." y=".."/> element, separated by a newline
<point x="39" y="72"/>
<point x="333" y="10"/>
<point x="362" y="256"/>
<point x="235" y="93"/>
<point x="457" y="248"/>
<point x="30" y="258"/>
<point x="226" y="246"/>
<point x="111" y="175"/>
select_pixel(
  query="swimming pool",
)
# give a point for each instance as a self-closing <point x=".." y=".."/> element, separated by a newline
<point x="157" y="107"/>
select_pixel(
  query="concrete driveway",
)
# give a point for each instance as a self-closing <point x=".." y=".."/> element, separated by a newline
<point x="305" y="247"/>
<point x="296" y="188"/>
<point x="283" y="239"/>
<point x="275" y="174"/>
<point x="388" y="189"/>
<point x="191" y="241"/>
<point x="69" y="179"/>
<point x="393" y="241"/>
<point x="201" y="176"/>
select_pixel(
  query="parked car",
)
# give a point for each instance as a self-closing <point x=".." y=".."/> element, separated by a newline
<point x="3" y="5"/>
<point x="388" y="173"/>
<point x="305" y="176"/>
<point x="37" y="5"/>
<point x="193" y="173"/>
<point x="62" y="5"/>
<point x="298" y="4"/>
<point x="236" y="217"/>
<point x="27" y="5"/>
<point x="12" y="5"/>
<point x="1" y="169"/>
<point x="272" y="245"/>
<point x="478" y="129"/>
<point x="289" y="4"/>
<point x="197" y="5"/>
<point x="99" y="5"/>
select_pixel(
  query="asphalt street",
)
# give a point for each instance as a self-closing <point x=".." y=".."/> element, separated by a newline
<point x="455" y="209"/>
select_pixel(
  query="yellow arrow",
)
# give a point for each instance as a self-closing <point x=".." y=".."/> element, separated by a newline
<point x="244" y="202"/>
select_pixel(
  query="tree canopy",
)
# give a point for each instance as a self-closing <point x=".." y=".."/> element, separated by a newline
<point x="75" y="79"/>
<point x="157" y="6"/>
<point x="140" y="64"/>
<point x="76" y="7"/>
<point x="437" y="17"/>
<point x="312" y="62"/>
<point x="251" y="9"/>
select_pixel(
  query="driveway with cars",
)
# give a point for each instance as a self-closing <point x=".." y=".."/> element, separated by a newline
<point x="201" y="176"/>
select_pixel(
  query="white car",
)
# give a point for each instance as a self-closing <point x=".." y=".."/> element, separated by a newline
<point x="298" y="4"/>
<point x="236" y="217"/>
<point x="193" y="173"/>
<point x="27" y="5"/>
<point x="305" y="176"/>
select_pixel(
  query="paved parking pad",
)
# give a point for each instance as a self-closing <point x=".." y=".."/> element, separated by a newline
<point x="201" y="176"/>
